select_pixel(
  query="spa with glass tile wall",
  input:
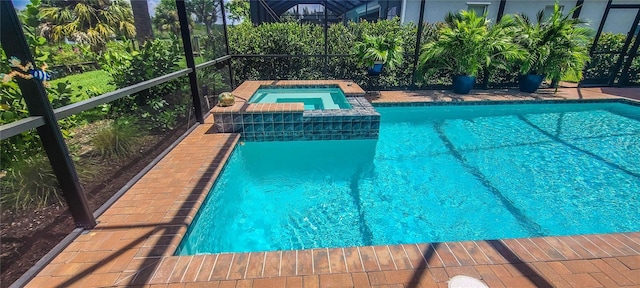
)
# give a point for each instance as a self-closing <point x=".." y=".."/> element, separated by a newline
<point x="359" y="122"/>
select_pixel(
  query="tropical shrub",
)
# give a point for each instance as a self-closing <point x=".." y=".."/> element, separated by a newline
<point x="12" y="105"/>
<point x="399" y="76"/>
<point x="295" y="39"/>
<point x="60" y="94"/>
<point x="386" y="49"/>
<point x="212" y="80"/>
<point x="634" y="70"/>
<point x="556" y="45"/>
<point x="601" y="62"/>
<point x="118" y="139"/>
<point x="342" y="38"/>
<point x="277" y="38"/>
<point x="159" y="106"/>
<point x="13" y="108"/>
<point x="211" y="45"/>
<point x="30" y="183"/>
<point x="68" y="54"/>
<point x="468" y="43"/>
<point x="66" y="59"/>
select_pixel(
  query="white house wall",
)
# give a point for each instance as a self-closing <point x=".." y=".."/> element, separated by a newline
<point x="619" y="20"/>
<point x="592" y="12"/>
<point x="531" y="8"/>
<point x="436" y="10"/>
<point x="412" y="11"/>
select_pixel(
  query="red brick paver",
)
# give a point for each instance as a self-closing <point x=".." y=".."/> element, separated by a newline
<point x="503" y="95"/>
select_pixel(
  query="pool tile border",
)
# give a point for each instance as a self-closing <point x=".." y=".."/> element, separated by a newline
<point x="244" y="92"/>
<point x="503" y="102"/>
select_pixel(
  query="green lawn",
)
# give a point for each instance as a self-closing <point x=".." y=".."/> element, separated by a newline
<point x="97" y="81"/>
<point x="198" y="60"/>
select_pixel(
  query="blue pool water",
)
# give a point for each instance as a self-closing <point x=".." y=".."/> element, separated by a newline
<point x="436" y="174"/>
<point x="313" y="97"/>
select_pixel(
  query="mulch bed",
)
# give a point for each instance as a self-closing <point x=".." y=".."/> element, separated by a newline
<point x="26" y="236"/>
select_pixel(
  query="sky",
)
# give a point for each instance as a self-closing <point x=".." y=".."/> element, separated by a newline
<point x="20" y="4"/>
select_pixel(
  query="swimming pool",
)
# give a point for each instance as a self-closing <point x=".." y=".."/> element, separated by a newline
<point x="313" y="97"/>
<point x="445" y="173"/>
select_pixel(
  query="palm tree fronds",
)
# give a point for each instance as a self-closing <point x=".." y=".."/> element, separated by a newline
<point x="87" y="21"/>
<point x="556" y="44"/>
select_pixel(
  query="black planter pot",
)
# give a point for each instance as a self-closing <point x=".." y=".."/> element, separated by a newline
<point x="376" y="69"/>
<point x="530" y="83"/>
<point x="462" y="84"/>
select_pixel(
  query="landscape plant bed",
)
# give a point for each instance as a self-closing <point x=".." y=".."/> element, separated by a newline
<point x="28" y="235"/>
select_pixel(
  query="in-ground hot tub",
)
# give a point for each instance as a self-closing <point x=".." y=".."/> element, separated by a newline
<point x="299" y="110"/>
<point x="313" y="97"/>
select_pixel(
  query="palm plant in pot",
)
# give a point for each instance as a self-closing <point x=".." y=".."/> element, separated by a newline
<point x="556" y="47"/>
<point x="375" y="52"/>
<point x="465" y="44"/>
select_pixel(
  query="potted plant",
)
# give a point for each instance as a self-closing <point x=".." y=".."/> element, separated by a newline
<point x="556" y="47"/>
<point x="375" y="52"/>
<point x="465" y="44"/>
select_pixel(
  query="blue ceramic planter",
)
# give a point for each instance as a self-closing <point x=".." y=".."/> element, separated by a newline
<point x="376" y="69"/>
<point x="529" y="83"/>
<point x="462" y="84"/>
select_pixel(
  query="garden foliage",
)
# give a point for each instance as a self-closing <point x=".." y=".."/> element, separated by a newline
<point x="93" y="23"/>
<point x="13" y="107"/>
<point x="30" y="183"/>
<point x="292" y="38"/>
<point x="557" y="45"/>
<point x="159" y="106"/>
<point x="118" y="139"/>
<point x="467" y="44"/>
<point x="601" y="62"/>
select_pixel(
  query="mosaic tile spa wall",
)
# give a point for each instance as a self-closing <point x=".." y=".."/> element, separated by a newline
<point x="360" y="122"/>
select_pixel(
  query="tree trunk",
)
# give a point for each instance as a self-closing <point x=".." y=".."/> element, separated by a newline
<point x="208" y="26"/>
<point x="141" y="20"/>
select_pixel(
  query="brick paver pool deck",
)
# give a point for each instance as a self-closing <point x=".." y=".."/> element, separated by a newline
<point x="132" y="245"/>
